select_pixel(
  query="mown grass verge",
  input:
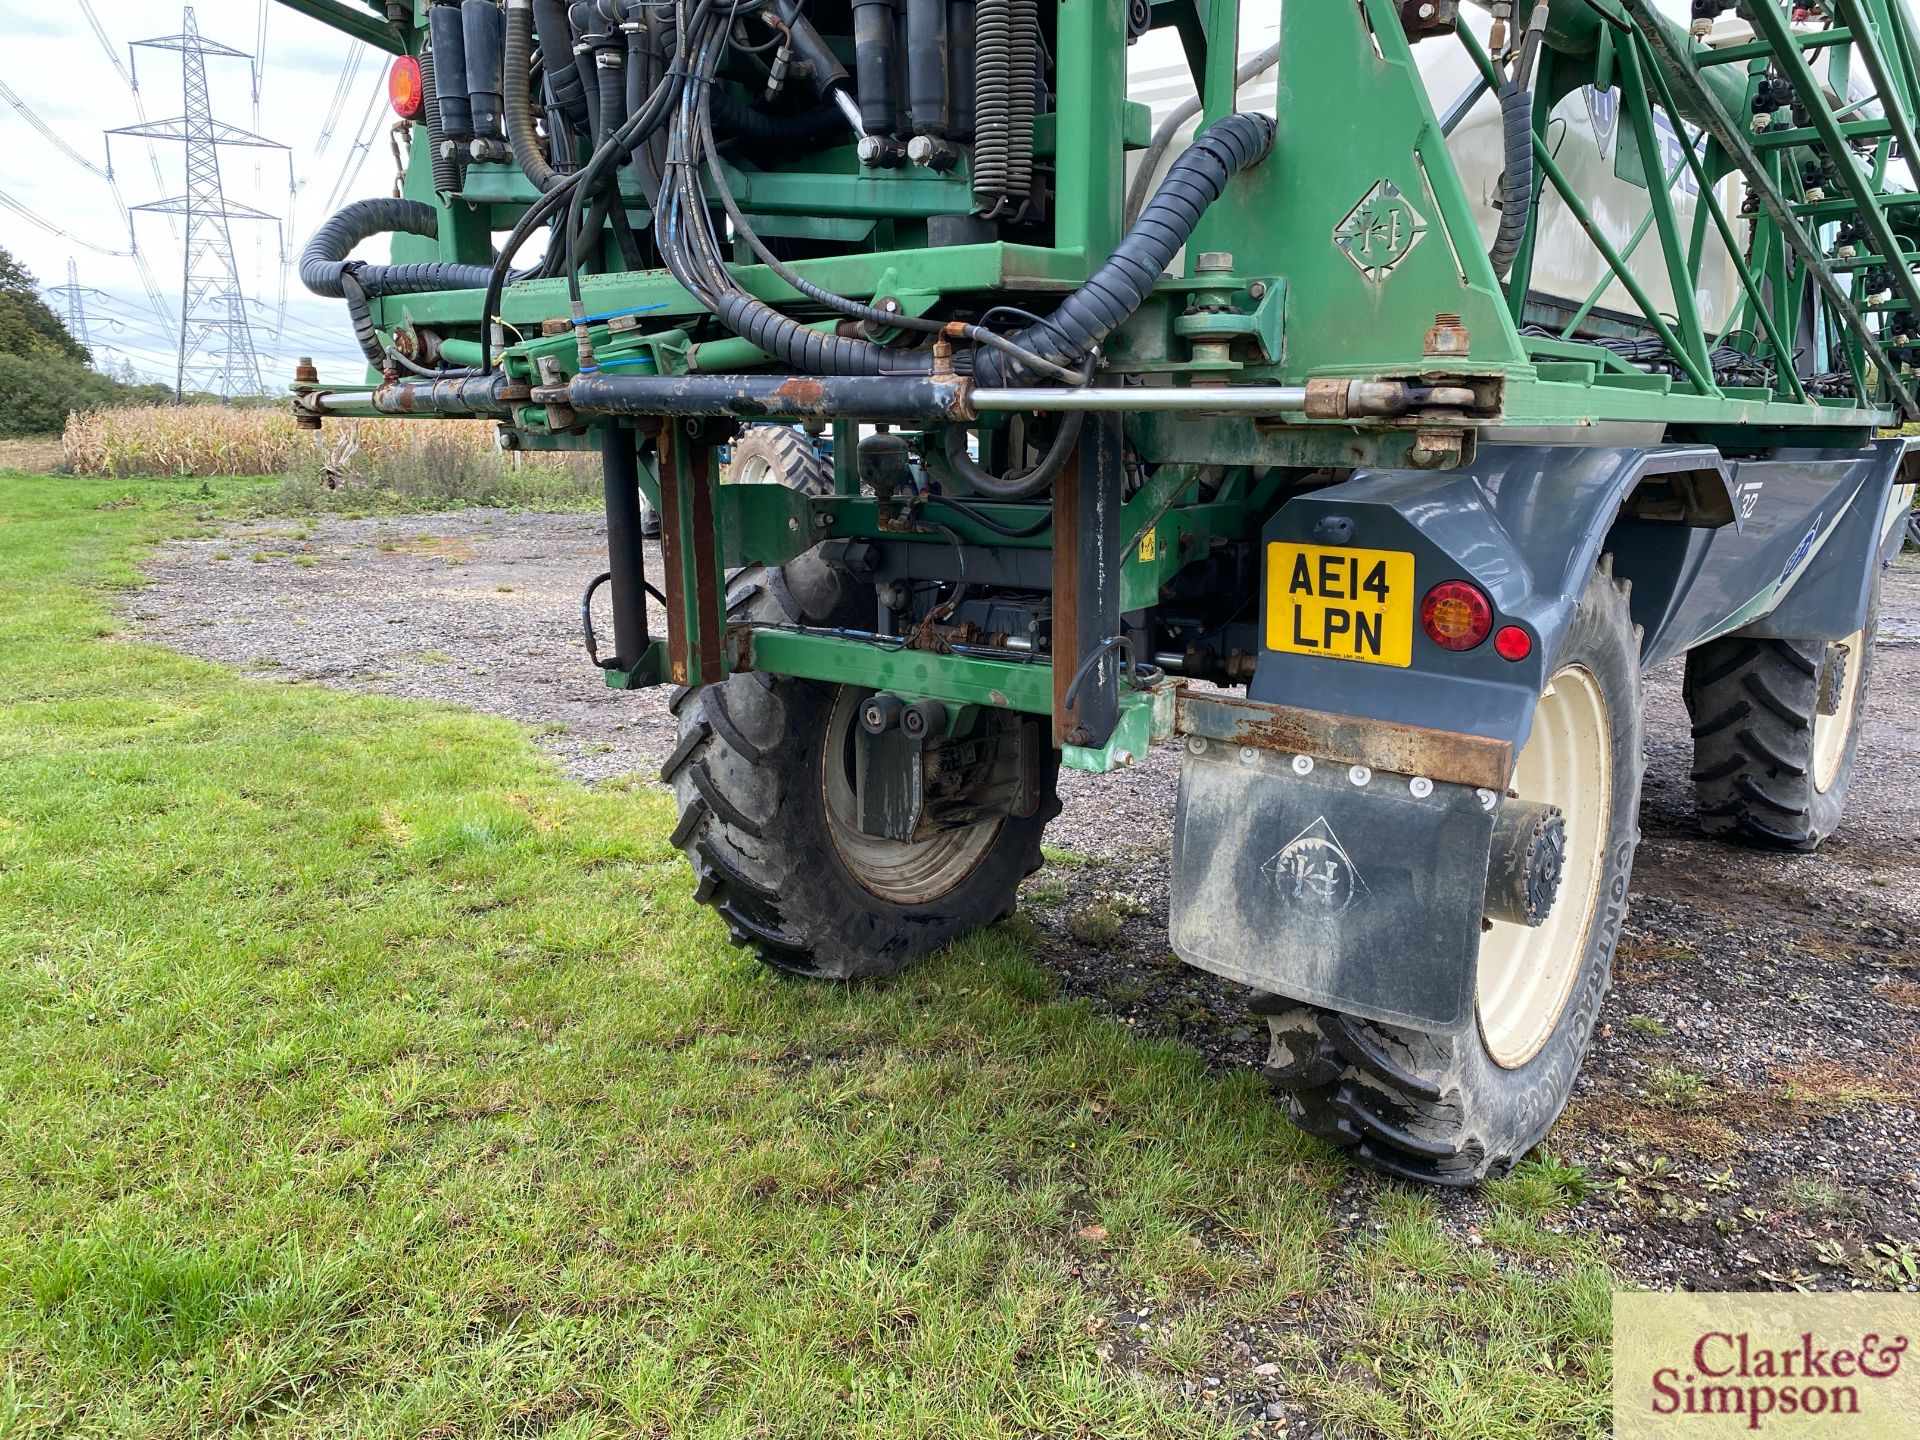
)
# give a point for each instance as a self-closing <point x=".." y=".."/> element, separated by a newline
<point x="366" y="1077"/>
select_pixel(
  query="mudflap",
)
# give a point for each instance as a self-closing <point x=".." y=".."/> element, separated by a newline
<point x="1358" y="890"/>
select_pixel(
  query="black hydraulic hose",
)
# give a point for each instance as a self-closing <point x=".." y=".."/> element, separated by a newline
<point x="549" y="19"/>
<point x="610" y="65"/>
<point x="518" y="97"/>
<point x="1014" y="486"/>
<point x="734" y="117"/>
<point x="640" y="81"/>
<point x="582" y="18"/>
<point x="1117" y="288"/>
<point x="1516" y="181"/>
<point x="978" y="335"/>
<point x="324" y="261"/>
<point x="1083" y="320"/>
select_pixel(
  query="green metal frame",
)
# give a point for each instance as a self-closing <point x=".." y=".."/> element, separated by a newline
<point x="1361" y="147"/>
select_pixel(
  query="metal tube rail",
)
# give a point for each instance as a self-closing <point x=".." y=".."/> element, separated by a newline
<point x="1210" y="399"/>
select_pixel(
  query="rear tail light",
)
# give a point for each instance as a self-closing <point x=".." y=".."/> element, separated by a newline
<point x="1456" y="615"/>
<point x="405" y="89"/>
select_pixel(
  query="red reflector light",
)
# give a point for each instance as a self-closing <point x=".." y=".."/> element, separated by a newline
<point x="1513" y="643"/>
<point x="405" y="90"/>
<point x="1456" y="615"/>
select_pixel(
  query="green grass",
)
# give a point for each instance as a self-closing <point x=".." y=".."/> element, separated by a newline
<point x="366" y="1077"/>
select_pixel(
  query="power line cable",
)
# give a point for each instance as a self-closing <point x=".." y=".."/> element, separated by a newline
<point x="26" y="111"/>
<point x="139" y="105"/>
<point x="27" y="213"/>
<point x="369" y="131"/>
<point x="47" y="131"/>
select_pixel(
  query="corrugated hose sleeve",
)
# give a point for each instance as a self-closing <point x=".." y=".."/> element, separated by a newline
<point x="1516" y="182"/>
<point x="325" y="257"/>
<point x="1117" y="288"/>
<point x="517" y="101"/>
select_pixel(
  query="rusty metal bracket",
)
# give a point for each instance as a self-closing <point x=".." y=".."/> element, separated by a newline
<point x="1443" y="755"/>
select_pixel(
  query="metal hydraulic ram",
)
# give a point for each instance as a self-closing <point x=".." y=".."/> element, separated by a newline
<point x="876" y="398"/>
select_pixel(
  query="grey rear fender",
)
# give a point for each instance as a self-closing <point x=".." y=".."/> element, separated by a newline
<point x="1526" y="524"/>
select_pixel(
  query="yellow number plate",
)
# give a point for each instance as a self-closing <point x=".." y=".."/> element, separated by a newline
<point x="1341" y="603"/>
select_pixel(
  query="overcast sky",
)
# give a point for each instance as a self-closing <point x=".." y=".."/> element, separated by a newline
<point x="59" y="69"/>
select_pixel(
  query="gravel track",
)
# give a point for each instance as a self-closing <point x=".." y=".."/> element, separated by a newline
<point x="1749" y="1112"/>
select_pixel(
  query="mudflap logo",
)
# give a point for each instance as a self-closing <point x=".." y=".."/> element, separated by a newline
<point x="1777" y="1364"/>
<point x="1314" y="872"/>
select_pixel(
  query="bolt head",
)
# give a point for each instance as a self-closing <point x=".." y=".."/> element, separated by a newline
<point x="1196" y="745"/>
<point x="1359" y="775"/>
<point x="1303" y="764"/>
<point x="1420" y="787"/>
<point x="1248" y="754"/>
<point x="1213" y="262"/>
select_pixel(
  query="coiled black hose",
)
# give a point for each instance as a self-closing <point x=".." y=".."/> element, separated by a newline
<point x="518" y="101"/>
<point x="1117" y="288"/>
<point x="1019" y="485"/>
<point x="324" y="261"/>
<point x="1516" y="181"/>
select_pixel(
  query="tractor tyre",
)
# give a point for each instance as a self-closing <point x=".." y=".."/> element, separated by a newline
<point x="1776" y="726"/>
<point x="778" y="455"/>
<point x="763" y="773"/>
<point x="1452" y="1108"/>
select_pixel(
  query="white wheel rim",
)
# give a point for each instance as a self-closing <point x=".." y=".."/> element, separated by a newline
<point x="902" y="871"/>
<point x="1830" y="732"/>
<point x="1528" y="972"/>
<point x="755" y="470"/>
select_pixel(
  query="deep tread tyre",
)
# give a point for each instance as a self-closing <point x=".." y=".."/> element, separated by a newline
<point x="750" y="776"/>
<point x="1769" y="767"/>
<point x="1440" y="1108"/>
<point x="778" y="455"/>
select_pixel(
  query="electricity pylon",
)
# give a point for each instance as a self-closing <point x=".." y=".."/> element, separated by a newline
<point x="213" y="314"/>
<point x="76" y="306"/>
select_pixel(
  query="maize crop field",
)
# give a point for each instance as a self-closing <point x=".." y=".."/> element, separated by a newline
<point x="351" y="465"/>
<point x="208" y="440"/>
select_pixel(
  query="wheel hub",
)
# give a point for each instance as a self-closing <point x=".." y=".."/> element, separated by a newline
<point x="1526" y="862"/>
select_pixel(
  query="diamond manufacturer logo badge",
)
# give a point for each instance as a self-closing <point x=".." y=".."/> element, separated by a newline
<point x="1314" y="872"/>
<point x="1380" y="231"/>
